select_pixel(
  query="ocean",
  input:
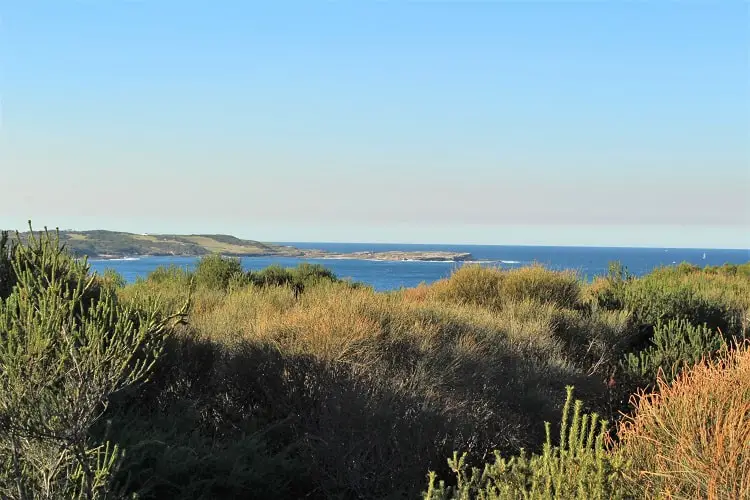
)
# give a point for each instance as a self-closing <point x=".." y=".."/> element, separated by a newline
<point x="383" y="276"/>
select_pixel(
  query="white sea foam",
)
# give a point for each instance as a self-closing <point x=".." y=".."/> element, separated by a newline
<point x="441" y="261"/>
<point x="118" y="259"/>
<point x="510" y="261"/>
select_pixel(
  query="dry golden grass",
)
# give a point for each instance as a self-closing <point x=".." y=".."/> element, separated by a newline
<point x="495" y="287"/>
<point x="215" y="246"/>
<point x="691" y="439"/>
<point x="333" y="322"/>
<point x="475" y="285"/>
<point x="562" y="288"/>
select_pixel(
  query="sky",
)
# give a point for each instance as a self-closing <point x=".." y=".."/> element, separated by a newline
<point x="553" y="123"/>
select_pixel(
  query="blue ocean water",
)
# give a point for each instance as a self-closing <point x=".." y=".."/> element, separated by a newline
<point x="588" y="261"/>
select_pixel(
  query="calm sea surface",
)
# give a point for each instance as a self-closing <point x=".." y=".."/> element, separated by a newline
<point x="588" y="261"/>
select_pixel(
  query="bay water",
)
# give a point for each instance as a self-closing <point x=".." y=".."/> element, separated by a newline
<point x="383" y="276"/>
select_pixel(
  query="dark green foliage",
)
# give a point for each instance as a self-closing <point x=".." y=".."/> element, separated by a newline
<point x="7" y="276"/>
<point x="678" y="315"/>
<point x="210" y="424"/>
<point x="215" y="271"/>
<point x="724" y="269"/>
<point x="612" y="296"/>
<point x="300" y="277"/>
<point x="579" y="467"/>
<point x="652" y="301"/>
<point x="676" y="344"/>
<point x="309" y="274"/>
<point x="663" y="296"/>
<point x="273" y="275"/>
<point x="66" y="348"/>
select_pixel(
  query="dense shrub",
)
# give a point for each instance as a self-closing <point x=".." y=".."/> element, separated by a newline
<point x="578" y="467"/>
<point x="288" y="382"/>
<point x="309" y="274"/>
<point x="7" y="276"/>
<point x="494" y="287"/>
<point x="216" y="271"/>
<point x="168" y="275"/>
<point x="678" y="315"/>
<point x="691" y="438"/>
<point x="471" y="284"/>
<point x="561" y="288"/>
<point x="112" y="279"/>
<point x="717" y="299"/>
<point x="653" y="301"/>
<point x="300" y="277"/>
<point x="676" y="344"/>
<point x="385" y="386"/>
<point x="66" y="348"/>
<point x="212" y="423"/>
<point x="273" y="275"/>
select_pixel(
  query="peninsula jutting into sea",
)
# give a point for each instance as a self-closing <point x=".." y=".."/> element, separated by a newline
<point x="101" y="244"/>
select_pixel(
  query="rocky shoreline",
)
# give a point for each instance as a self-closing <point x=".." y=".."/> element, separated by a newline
<point x="436" y="256"/>
<point x="390" y="256"/>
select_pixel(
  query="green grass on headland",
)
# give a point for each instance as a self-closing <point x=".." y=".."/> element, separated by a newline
<point x="109" y="244"/>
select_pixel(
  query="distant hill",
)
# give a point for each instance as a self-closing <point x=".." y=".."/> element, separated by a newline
<point x="113" y="244"/>
<point x="102" y="244"/>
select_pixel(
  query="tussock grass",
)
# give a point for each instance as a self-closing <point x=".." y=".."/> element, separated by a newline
<point x="493" y="287"/>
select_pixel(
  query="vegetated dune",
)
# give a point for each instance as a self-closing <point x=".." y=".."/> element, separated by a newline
<point x="290" y="383"/>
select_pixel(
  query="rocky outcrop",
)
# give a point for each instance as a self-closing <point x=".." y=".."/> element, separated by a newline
<point x="434" y="256"/>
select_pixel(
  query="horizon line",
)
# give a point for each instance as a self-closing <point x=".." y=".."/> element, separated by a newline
<point x="391" y="242"/>
<point x="504" y="245"/>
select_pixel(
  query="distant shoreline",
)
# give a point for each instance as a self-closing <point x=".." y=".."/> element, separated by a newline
<point x="113" y="245"/>
<point x="386" y="256"/>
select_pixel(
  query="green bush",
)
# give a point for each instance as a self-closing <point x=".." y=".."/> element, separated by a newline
<point x="300" y="277"/>
<point x="578" y="467"/>
<point x="216" y="271"/>
<point x="716" y="299"/>
<point x="653" y="301"/>
<point x="676" y="344"/>
<point x="273" y="275"/>
<point x="608" y="292"/>
<point x="66" y="348"/>
<point x="311" y="274"/>
<point x="207" y="425"/>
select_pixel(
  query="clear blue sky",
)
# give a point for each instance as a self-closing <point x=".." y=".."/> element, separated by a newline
<point x="596" y="123"/>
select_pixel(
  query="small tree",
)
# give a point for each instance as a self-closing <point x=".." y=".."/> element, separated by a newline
<point x="215" y="271"/>
<point x="66" y="347"/>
